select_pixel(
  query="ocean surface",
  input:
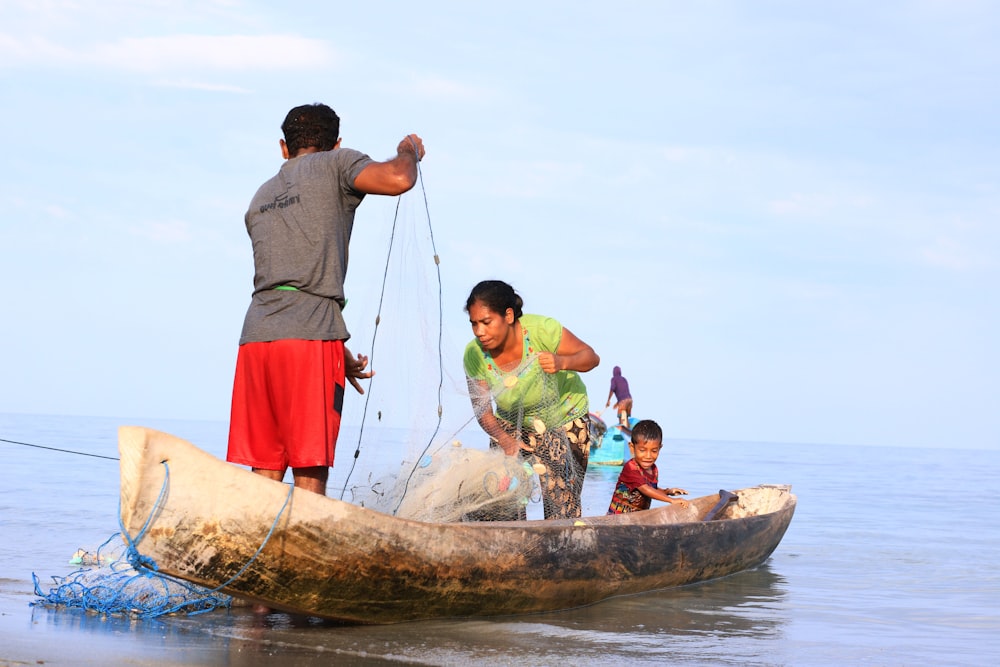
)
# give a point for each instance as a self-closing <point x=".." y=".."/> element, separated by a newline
<point x="892" y="559"/>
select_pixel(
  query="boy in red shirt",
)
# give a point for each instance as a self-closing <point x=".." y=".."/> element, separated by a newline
<point x="637" y="482"/>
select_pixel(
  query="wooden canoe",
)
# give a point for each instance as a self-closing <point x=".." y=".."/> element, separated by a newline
<point x="204" y="520"/>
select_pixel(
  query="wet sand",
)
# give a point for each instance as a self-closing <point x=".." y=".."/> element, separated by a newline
<point x="32" y="635"/>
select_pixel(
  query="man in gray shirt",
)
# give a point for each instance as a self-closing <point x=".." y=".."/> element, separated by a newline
<point x="292" y="365"/>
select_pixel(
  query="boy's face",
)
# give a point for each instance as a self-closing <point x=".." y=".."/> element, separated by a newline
<point x="645" y="452"/>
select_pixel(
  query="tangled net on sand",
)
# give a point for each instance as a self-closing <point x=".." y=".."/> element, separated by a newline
<point x="109" y="582"/>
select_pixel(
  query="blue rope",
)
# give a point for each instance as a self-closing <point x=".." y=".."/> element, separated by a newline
<point x="109" y="591"/>
<point x="135" y="559"/>
<point x="274" y="524"/>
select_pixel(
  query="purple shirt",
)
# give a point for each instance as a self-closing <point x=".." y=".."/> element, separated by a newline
<point x="619" y="385"/>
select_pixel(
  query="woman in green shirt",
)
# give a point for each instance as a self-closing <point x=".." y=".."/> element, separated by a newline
<point x="527" y="366"/>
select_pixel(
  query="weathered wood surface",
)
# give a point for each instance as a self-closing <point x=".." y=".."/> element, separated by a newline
<point x="331" y="559"/>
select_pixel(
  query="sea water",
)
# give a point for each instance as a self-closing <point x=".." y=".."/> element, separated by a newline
<point x="891" y="559"/>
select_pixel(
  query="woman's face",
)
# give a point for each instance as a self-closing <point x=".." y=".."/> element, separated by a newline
<point x="490" y="328"/>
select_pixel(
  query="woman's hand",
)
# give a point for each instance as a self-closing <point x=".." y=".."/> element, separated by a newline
<point x="510" y="446"/>
<point x="549" y="362"/>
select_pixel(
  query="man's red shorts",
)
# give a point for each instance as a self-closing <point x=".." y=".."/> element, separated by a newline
<point x="287" y="400"/>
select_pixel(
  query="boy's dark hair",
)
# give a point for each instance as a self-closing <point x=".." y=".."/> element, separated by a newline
<point x="496" y="295"/>
<point x="311" y="125"/>
<point x="645" y="431"/>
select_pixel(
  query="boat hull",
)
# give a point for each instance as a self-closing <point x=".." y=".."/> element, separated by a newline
<point x="611" y="448"/>
<point x="204" y="520"/>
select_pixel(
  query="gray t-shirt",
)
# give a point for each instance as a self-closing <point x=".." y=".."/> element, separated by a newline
<point x="300" y="224"/>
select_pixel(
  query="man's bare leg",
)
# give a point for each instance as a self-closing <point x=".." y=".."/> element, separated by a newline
<point x="312" y="479"/>
<point x="308" y="479"/>
<point x="276" y="475"/>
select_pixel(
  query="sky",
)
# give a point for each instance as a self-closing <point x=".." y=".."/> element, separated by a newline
<point x="780" y="219"/>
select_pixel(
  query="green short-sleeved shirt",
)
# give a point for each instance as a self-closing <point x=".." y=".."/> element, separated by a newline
<point x="554" y="399"/>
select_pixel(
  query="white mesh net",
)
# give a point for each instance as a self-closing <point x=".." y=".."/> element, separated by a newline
<point x="455" y="484"/>
<point x="449" y="471"/>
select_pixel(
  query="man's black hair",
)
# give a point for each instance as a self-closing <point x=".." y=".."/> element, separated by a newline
<point x="311" y="126"/>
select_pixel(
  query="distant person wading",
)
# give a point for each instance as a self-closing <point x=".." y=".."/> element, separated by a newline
<point x="623" y="398"/>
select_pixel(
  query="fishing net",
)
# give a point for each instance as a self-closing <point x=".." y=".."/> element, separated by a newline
<point x="439" y="464"/>
<point x="109" y="580"/>
<point x="448" y="481"/>
<point x="455" y="484"/>
<point x="529" y="406"/>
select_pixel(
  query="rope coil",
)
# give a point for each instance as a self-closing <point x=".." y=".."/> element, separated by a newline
<point x="131" y="584"/>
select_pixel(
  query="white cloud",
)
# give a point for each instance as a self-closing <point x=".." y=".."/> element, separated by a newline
<point x="689" y="154"/>
<point x="947" y="253"/>
<point x="190" y="84"/>
<point x="31" y="50"/>
<point x="174" y="53"/>
<point x="537" y="179"/>
<point x="226" y="52"/>
<point x="439" y="88"/>
<point x="799" y="204"/>
<point x="173" y="231"/>
<point x="57" y="211"/>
